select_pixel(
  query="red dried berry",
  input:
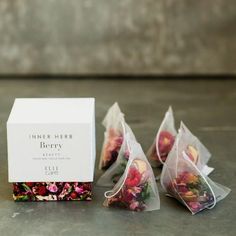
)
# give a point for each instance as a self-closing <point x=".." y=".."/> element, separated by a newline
<point x="133" y="178"/>
<point x="42" y="190"/>
<point x="73" y="195"/>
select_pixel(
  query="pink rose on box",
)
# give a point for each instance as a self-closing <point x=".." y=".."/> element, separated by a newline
<point x="53" y="188"/>
<point x="79" y="190"/>
<point x="66" y="186"/>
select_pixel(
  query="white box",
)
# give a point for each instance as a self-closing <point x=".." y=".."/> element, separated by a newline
<point x="51" y="140"/>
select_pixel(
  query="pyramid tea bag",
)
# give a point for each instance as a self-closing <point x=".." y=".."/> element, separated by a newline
<point x="116" y="170"/>
<point x="194" y="149"/>
<point x="182" y="180"/>
<point x="164" y="140"/>
<point x="136" y="190"/>
<point x="113" y="136"/>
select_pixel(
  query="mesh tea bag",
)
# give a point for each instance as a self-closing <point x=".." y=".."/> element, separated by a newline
<point x="113" y="136"/>
<point x="194" y="149"/>
<point x="182" y="180"/>
<point x="164" y="140"/>
<point x="136" y="190"/>
<point x="116" y="170"/>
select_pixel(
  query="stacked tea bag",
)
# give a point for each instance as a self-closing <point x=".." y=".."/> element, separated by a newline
<point x="130" y="173"/>
<point x="185" y="171"/>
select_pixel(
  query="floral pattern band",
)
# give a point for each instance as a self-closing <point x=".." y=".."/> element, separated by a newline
<point x="52" y="191"/>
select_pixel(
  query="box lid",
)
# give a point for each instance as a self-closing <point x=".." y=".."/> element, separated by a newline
<point x="52" y="110"/>
<point x="51" y="139"/>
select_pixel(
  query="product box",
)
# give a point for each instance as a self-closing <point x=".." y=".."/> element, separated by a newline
<point x="51" y="148"/>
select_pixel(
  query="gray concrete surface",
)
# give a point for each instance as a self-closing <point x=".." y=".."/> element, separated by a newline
<point x="207" y="107"/>
<point x="110" y="36"/>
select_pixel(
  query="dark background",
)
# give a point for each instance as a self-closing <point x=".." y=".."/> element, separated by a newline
<point x="125" y="37"/>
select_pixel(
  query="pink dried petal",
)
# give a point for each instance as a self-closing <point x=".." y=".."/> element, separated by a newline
<point x="134" y="205"/>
